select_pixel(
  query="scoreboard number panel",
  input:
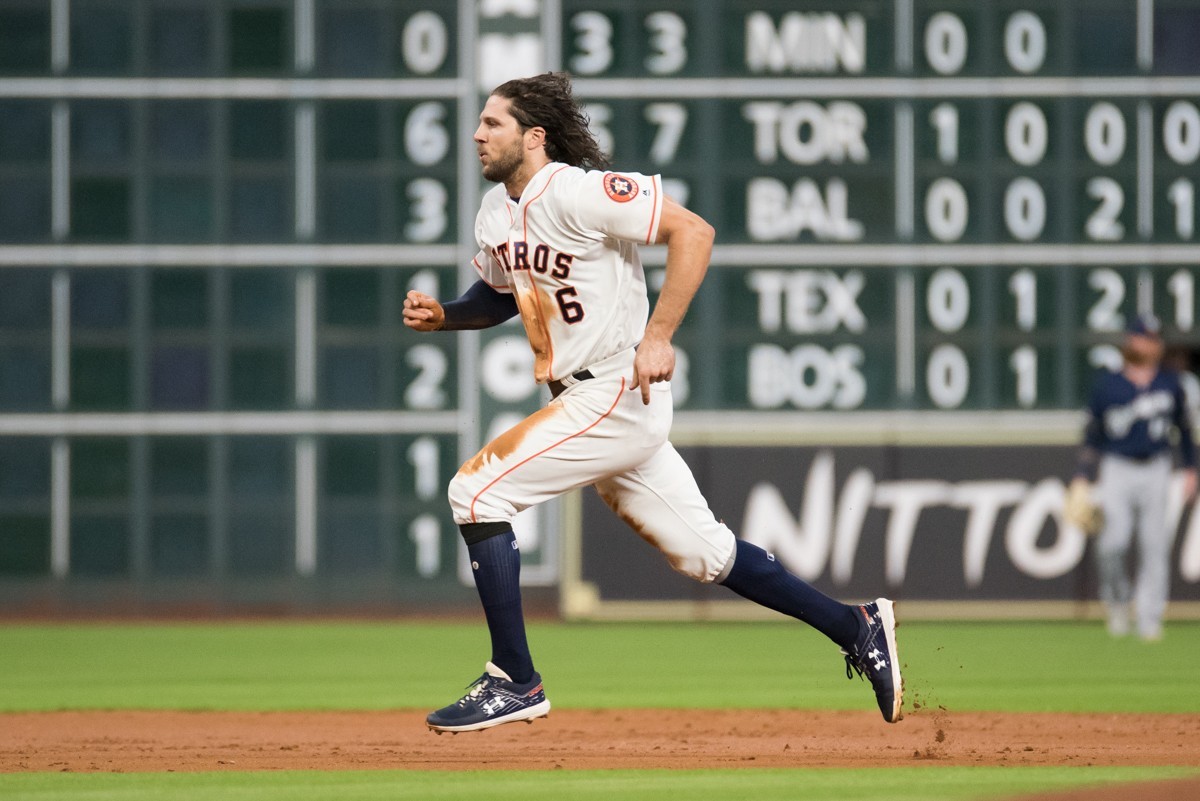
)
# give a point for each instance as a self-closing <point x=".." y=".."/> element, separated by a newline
<point x="934" y="205"/>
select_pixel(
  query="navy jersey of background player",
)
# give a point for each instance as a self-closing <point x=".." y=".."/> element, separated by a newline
<point x="1136" y="421"/>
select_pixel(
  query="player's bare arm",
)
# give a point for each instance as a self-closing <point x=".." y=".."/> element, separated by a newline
<point x="689" y="240"/>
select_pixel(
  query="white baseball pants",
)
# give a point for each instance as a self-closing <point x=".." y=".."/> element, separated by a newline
<point x="599" y="432"/>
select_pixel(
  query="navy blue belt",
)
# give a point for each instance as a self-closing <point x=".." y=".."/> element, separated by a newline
<point x="558" y="386"/>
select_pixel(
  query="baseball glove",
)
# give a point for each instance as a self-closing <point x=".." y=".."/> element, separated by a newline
<point x="1080" y="511"/>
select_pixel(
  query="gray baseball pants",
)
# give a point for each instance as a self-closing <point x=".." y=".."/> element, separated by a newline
<point x="1134" y="497"/>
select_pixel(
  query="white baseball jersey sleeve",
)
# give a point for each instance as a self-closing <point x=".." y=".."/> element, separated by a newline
<point x="567" y="249"/>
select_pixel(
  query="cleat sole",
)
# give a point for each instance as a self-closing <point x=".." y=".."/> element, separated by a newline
<point x="529" y="715"/>
<point x="887" y="615"/>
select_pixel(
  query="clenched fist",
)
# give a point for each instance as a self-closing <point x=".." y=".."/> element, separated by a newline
<point x="423" y="313"/>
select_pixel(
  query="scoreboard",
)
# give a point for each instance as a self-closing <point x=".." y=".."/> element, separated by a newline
<point x="210" y="212"/>
<point x="919" y="205"/>
<point x="934" y="221"/>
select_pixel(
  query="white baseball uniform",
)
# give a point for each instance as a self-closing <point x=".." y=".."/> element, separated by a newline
<point x="567" y="250"/>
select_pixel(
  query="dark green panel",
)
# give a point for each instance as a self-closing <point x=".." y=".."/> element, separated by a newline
<point x="101" y="39"/>
<point x="425" y="379"/>
<point x="261" y="300"/>
<point x="1022" y="387"/>
<point x="261" y="468"/>
<point x="258" y="40"/>
<point x="948" y="373"/>
<point x="350" y="297"/>
<point x="351" y="208"/>
<point x="25" y="378"/>
<point x="350" y="541"/>
<point x="24" y="299"/>
<point x="411" y="550"/>
<point x="1175" y="215"/>
<point x="436" y="54"/>
<point x="101" y="132"/>
<point x="423" y="467"/>
<point x="25" y="209"/>
<point x="180" y="378"/>
<point x="262" y="543"/>
<point x="24" y="41"/>
<point x="100" y="299"/>
<point x="425" y="210"/>
<point x="179" y="466"/>
<point x="258" y="130"/>
<point x="100" y="545"/>
<point x="968" y="144"/>
<point x="100" y="469"/>
<point x="1103" y="35"/>
<point x="1176" y="31"/>
<point x="179" y="41"/>
<point x="943" y="294"/>
<point x="350" y="130"/>
<point x="617" y="42"/>
<point x="260" y="378"/>
<point x="100" y="209"/>
<point x="24" y="469"/>
<point x="424" y="134"/>
<point x="803" y="338"/>
<point x="181" y="210"/>
<point x="1027" y="289"/>
<point x="807" y="171"/>
<point x="179" y="299"/>
<point x="1106" y="300"/>
<point x="838" y="375"/>
<point x="350" y="466"/>
<point x="179" y="544"/>
<point x="351" y="41"/>
<point x="25" y="131"/>
<point x="350" y="377"/>
<point x="24" y="545"/>
<point x="100" y="379"/>
<point x="789" y="38"/>
<point x="1055" y="19"/>
<point x="260" y="209"/>
<point x="981" y="50"/>
<point x="181" y="131"/>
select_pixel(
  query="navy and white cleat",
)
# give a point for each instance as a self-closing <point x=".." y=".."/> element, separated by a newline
<point x="494" y="698"/>
<point x="876" y="657"/>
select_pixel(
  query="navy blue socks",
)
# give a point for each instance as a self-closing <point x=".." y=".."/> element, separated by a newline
<point x="496" y="565"/>
<point x="758" y="576"/>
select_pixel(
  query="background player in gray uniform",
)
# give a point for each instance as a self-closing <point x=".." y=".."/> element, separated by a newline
<point x="1127" y="451"/>
<point x="558" y="245"/>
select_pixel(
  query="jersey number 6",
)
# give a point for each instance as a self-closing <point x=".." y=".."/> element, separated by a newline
<point x="572" y="310"/>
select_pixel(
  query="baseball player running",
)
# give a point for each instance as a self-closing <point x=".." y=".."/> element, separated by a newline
<point x="1127" y="449"/>
<point x="558" y="241"/>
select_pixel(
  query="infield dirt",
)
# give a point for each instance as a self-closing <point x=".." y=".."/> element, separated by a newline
<point x="587" y="739"/>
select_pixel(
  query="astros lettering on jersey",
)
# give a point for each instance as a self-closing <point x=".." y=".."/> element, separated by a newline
<point x="572" y="279"/>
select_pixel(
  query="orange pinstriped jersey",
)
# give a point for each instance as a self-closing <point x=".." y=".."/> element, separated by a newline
<point x="568" y="251"/>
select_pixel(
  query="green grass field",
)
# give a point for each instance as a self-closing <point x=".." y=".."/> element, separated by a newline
<point x="357" y="665"/>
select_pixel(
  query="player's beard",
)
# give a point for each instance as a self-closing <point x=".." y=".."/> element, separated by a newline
<point x="504" y="164"/>
<point x="1142" y="351"/>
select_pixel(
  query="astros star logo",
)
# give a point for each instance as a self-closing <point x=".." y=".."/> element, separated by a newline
<point x="619" y="188"/>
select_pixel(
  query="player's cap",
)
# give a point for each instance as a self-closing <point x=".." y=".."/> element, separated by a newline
<point x="1145" y="325"/>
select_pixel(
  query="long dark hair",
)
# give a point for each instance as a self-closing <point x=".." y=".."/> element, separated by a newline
<point x="545" y="101"/>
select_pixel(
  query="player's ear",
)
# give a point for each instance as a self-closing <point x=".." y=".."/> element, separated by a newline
<point x="535" y="137"/>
